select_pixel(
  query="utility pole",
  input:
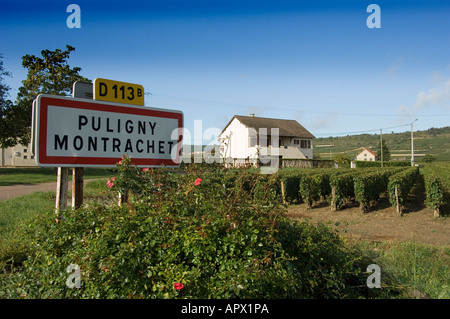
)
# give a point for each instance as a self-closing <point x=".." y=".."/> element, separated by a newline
<point x="412" y="143"/>
<point x="381" y="145"/>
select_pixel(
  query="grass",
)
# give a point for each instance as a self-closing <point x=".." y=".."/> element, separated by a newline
<point x="16" y="213"/>
<point x="31" y="175"/>
<point x="405" y="267"/>
<point x="418" y="267"/>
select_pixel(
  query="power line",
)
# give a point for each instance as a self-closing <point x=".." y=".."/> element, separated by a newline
<point x="365" y="131"/>
<point x="309" y="111"/>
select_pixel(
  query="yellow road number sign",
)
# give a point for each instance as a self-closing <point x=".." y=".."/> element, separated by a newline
<point x="120" y="92"/>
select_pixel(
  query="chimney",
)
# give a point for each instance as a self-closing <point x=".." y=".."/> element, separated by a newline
<point x="252" y="115"/>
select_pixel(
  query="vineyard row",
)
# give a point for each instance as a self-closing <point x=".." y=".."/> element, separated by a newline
<point x="365" y="186"/>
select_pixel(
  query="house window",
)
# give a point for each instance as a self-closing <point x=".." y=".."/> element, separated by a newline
<point x="25" y="157"/>
<point x="296" y="142"/>
<point x="305" y="144"/>
<point x="24" y="150"/>
<point x="252" y="138"/>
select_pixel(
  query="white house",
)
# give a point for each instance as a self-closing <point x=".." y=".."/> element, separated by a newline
<point x="250" y="137"/>
<point x="367" y="155"/>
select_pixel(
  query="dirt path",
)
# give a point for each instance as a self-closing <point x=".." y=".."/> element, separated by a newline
<point x="382" y="224"/>
<point x="25" y="189"/>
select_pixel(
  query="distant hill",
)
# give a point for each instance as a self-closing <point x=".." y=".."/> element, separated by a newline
<point x="435" y="141"/>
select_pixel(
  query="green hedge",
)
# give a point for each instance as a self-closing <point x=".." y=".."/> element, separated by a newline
<point x="290" y="179"/>
<point x="363" y="164"/>
<point x="403" y="181"/>
<point x="434" y="192"/>
<point x="342" y="188"/>
<point x="368" y="188"/>
<point x="315" y="185"/>
<point x="220" y="234"/>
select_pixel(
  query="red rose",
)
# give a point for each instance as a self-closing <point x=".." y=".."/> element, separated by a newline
<point x="109" y="183"/>
<point x="198" y="181"/>
<point x="178" y="285"/>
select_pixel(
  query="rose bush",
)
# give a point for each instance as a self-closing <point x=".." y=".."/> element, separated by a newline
<point x="203" y="233"/>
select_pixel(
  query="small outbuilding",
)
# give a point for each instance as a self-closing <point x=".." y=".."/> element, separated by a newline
<point x="367" y="155"/>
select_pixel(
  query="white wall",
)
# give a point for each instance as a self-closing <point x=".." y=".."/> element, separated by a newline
<point x="238" y="144"/>
<point x="365" y="156"/>
<point x="236" y="136"/>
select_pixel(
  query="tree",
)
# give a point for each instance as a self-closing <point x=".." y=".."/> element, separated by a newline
<point x="386" y="153"/>
<point x="343" y="160"/>
<point x="50" y="74"/>
<point x="429" y="158"/>
<point x="6" y="110"/>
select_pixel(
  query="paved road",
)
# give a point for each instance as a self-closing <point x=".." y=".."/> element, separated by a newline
<point x="25" y="189"/>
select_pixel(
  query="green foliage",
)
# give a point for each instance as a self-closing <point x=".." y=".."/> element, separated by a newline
<point x="343" y="160"/>
<point x="223" y="234"/>
<point x="403" y="181"/>
<point x="7" y="123"/>
<point x="25" y="175"/>
<point x="342" y="188"/>
<point x="50" y="74"/>
<point x="429" y="158"/>
<point x="291" y="183"/>
<point x="366" y="164"/>
<point x="386" y="153"/>
<point x="434" y="140"/>
<point x="369" y="187"/>
<point x="14" y="242"/>
<point x="315" y="185"/>
<point x="338" y="186"/>
<point x="437" y="187"/>
<point x="419" y="266"/>
<point x="434" y="191"/>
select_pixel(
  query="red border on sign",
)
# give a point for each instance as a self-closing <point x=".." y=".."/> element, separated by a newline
<point x="45" y="101"/>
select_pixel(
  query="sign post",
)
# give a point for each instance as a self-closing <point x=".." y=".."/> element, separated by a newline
<point x="81" y="90"/>
<point x="61" y="189"/>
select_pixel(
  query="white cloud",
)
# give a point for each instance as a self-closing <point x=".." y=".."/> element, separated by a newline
<point x="437" y="96"/>
<point x="437" y="78"/>
<point x="325" y="121"/>
<point x="434" y="96"/>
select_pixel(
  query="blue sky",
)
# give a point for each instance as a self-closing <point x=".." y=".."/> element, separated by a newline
<point x="313" y="61"/>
